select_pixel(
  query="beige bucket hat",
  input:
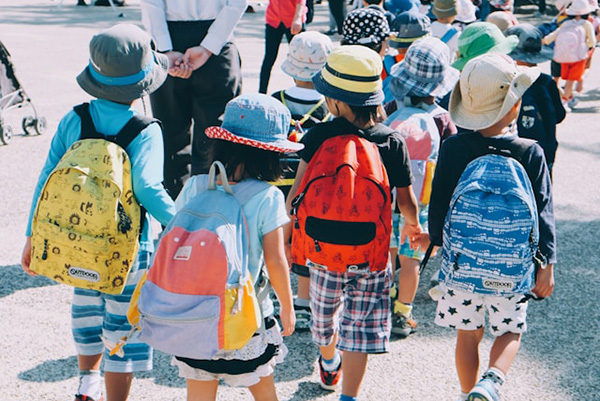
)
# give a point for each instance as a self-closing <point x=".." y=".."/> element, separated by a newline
<point x="489" y="86"/>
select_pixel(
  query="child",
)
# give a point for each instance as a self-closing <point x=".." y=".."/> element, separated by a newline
<point x="541" y="107"/>
<point x="119" y="53"/>
<point x="307" y="55"/>
<point x="424" y="74"/>
<point x="480" y="38"/>
<point x="351" y="84"/>
<point x="366" y="27"/>
<point x="249" y="143"/>
<point x="445" y="12"/>
<point x="487" y="100"/>
<point x="502" y="19"/>
<point x="574" y="39"/>
<point x="283" y="17"/>
<point x="408" y="27"/>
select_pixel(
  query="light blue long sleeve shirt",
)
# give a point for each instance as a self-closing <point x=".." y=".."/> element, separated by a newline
<point x="145" y="153"/>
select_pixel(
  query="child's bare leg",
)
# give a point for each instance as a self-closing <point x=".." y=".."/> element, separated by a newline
<point x="504" y="351"/>
<point x="328" y="351"/>
<point x="354" y="365"/>
<point x="579" y="86"/>
<point x="264" y="390"/>
<point x="303" y="287"/>
<point x="117" y="385"/>
<point x="408" y="281"/>
<point x="568" y="94"/>
<point x="467" y="358"/>
<point x="89" y="362"/>
<point x="198" y="390"/>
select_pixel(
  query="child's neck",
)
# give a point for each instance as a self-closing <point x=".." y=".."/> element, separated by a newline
<point x="447" y="20"/>
<point x="304" y="84"/>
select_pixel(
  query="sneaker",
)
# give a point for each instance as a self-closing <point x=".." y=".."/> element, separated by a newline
<point x="329" y="378"/>
<point x="485" y="390"/>
<point x="81" y="397"/>
<point x="303" y="317"/>
<point x="403" y="326"/>
<point x="565" y="104"/>
<point x="572" y="102"/>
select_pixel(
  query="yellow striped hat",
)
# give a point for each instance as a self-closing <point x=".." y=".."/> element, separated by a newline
<point x="352" y="75"/>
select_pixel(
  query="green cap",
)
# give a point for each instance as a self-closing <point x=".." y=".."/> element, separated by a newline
<point x="480" y="38"/>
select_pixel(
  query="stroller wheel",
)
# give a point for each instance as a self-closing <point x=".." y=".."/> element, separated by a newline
<point x="40" y="125"/>
<point x="5" y="134"/>
<point x="27" y="124"/>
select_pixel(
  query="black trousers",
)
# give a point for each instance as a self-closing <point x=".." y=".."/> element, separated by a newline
<point x="186" y="107"/>
<point x="336" y="7"/>
<point x="273" y="38"/>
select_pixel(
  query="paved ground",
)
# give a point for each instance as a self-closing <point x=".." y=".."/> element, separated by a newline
<point x="559" y="357"/>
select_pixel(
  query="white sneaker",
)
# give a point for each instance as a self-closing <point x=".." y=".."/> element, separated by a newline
<point x="572" y="102"/>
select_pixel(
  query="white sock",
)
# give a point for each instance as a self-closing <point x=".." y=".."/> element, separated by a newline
<point x="302" y="303"/>
<point x="463" y="396"/>
<point x="90" y="383"/>
<point x="332" y="364"/>
<point x="496" y="375"/>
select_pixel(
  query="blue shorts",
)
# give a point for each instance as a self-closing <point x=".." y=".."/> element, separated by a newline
<point x="95" y="314"/>
<point x="397" y="223"/>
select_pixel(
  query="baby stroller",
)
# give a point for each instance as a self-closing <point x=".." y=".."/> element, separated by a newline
<point x="13" y="96"/>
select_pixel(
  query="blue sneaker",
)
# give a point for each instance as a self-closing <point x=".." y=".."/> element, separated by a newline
<point x="485" y="390"/>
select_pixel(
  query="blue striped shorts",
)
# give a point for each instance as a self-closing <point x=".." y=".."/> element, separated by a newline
<point x="95" y="314"/>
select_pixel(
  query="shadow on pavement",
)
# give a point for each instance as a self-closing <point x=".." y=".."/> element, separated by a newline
<point x="52" y="371"/>
<point x="14" y="279"/>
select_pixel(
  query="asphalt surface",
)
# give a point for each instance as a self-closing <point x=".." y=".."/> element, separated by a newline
<point x="559" y="357"/>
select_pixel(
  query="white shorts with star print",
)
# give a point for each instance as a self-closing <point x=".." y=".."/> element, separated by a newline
<point x="466" y="311"/>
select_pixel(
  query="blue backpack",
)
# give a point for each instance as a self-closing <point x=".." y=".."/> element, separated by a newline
<point x="490" y="233"/>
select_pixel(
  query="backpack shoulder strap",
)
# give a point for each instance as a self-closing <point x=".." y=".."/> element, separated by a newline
<point x="482" y="146"/>
<point x="245" y="190"/>
<point x="131" y="130"/>
<point x="88" y="130"/>
<point x="449" y="35"/>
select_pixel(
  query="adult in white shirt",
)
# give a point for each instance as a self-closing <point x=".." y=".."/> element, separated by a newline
<point x="204" y="74"/>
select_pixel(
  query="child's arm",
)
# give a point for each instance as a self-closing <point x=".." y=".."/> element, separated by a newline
<point x="146" y="154"/>
<point x="278" y="269"/>
<point x="544" y="282"/>
<point x="551" y="37"/>
<point x="590" y="35"/>
<point x="297" y="21"/>
<point x="407" y="203"/>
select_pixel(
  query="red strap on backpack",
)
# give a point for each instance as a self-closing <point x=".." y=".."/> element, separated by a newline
<point x="342" y="214"/>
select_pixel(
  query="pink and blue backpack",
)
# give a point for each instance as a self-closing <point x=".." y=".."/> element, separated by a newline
<point x="199" y="296"/>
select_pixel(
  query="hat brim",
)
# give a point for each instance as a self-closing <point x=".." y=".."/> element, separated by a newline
<point x="127" y="93"/>
<point x="404" y="43"/>
<point x="545" y="54"/>
<point x="506" y="46"/>
<point x="477" y="120"/>
<point x="300" y="73"/>
<point x="284" y="146"/>
<point x="413" y="87"/>
<point x="352" y="98"/>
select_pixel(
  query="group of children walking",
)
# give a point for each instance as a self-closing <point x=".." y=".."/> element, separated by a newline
<point x="374" y="188"/>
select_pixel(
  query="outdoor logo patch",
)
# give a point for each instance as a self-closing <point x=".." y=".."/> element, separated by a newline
<point x="84" y="274"/>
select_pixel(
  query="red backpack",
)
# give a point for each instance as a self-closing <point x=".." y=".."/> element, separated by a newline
<point x="342" y="213"/>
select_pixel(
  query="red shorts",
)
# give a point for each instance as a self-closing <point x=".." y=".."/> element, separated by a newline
<point x="572" y="71"/>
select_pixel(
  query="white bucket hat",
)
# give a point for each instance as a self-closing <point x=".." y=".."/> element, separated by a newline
<point x="489" y="86"/>
<point x="307" y="55"/>
<point x="579" y="7"/>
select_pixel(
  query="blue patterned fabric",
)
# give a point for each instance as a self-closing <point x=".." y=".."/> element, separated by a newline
<point x="491" y="229"/>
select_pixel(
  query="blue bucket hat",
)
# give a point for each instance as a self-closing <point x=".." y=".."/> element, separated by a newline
<point x="530" y="48"/>
<point x="409" y="26"/>
<point x="256" y="120"/>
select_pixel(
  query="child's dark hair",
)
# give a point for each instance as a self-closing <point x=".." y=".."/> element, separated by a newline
<point x="372" y="2"/>
<point x="257" y="163"/>
<point x="364" y="114"/>
<point x="371" y="45"/>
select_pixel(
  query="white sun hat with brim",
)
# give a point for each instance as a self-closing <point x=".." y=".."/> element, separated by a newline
<point x="489" y="86"/>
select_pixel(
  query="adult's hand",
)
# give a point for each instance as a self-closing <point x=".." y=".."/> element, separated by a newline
<point x="177" y="67"/>
<point x="196" y="56"/>
<point x="296" y="27"/>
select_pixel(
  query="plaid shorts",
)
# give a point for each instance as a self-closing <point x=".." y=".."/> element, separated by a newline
<point x="356" y="305"/>
<point x="95" y="314"/>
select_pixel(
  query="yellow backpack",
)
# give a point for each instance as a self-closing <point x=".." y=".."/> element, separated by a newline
<point x="86" y="227"/>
